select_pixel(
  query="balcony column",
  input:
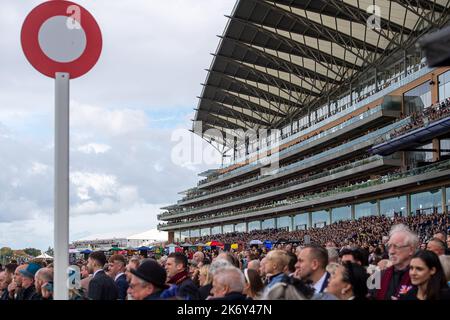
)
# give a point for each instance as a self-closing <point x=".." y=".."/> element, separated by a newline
<point x="378" y="207"/>
<point x="437" y="150"/>
<point x="309" y="220"/>
<point x="292" y="227"/>
<point x="444" y="201"/>
<point x="353" y="211"/>
<point x="408" y="205"/>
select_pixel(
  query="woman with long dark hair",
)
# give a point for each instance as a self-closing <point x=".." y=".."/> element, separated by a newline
<point x="427" y="277"/>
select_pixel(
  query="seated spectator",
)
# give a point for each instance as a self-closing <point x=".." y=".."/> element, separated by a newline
<point x="349" y="282"/>
<point x="228" y="284"/>
<point x="147" y="281"/>
<point x="427" y="278"/>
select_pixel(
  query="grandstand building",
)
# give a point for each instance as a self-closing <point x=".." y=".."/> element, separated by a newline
<point x="361" y="123"/>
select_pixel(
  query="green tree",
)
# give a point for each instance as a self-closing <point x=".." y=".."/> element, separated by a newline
<point x="5" y="251"/>
<point x="32" y="252"/>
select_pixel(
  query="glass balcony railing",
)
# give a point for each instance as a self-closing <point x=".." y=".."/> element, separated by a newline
<point x="384" y="90"/>
<point x="441" y="166"/>
<point x="278" y="186"/>
<point x="298" y="145"/>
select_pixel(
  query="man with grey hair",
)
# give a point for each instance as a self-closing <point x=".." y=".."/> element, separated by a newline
<point x="42" y="276"/>
<point x="401" y="246"/>
<point x="333" y="255"/>
<point x="228" y="284"/>
<point x="254" y="265"/>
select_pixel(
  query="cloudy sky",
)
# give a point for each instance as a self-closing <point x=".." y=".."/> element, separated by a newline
<point x="127" y="116"/>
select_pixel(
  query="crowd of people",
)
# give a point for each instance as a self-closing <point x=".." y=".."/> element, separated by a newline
<point x="409" y="255"/>
<point x="427" y="115"/>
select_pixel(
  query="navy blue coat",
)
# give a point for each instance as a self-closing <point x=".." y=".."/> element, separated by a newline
<point x="122" y="286"/>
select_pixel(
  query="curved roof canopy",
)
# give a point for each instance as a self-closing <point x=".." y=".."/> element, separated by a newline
<point x="277" y="58"/>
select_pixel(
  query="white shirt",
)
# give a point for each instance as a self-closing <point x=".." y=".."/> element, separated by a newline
<point x="118" y="275"/>
<point x="318" y="285"/>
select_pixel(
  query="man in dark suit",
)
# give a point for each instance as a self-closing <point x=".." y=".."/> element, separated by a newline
<point x="101" y="287"/>
<point x="117" y="268"/>
<point x="178" y="277"/>
<point x="311" y="265"/>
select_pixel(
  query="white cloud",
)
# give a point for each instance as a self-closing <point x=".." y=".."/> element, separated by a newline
<point x="94" y="148"/>
<point x="122" y="116"/>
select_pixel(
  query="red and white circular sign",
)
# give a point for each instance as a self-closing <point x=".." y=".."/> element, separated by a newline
<point x="61" y="36"/>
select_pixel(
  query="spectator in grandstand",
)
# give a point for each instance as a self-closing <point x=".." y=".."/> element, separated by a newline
<point x="177" y="273"/>
<point x="228" y="284"/>
<point x="147" y="281"/>
<point x="311" y="266"/>
<point x="117" y="268"/>
<point x="402" y="246"/>
<point x="101" y="286"/>
<point x="254" y="286"/>
<point x="349" y="282"/>
<point x="437" y="246"/>
<point x="427" y="278"/>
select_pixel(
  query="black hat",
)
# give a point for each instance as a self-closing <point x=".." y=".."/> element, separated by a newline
<point x="152" y="272"/>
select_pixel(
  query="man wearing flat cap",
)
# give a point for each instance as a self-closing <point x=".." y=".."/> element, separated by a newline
<point x="29" y="290"/>
<point x="147" y="281"/>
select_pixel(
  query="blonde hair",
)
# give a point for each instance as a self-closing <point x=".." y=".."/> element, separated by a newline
<point x="205" y="270"/>
<point x="280" y="257"/>
<point x="331" y="267"/>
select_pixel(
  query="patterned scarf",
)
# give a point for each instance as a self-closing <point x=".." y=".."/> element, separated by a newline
<point x="405" y="282"/>
<point x="179" y="278"/>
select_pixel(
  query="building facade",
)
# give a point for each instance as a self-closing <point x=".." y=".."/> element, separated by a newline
<point x="355" y="122"/>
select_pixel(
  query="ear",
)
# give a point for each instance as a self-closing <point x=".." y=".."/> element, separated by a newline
<point x="433" y="271"/>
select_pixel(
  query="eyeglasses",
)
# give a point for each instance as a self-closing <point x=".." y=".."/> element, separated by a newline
<point x="396" y="247"/>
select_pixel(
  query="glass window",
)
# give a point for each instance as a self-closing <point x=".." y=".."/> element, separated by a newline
<point x="391" y="206"/>
<point x="301" y="221"/>
<point x="205" y="232"/>
<point x="254" y="225"/>
<point x="184" y="235"/>
<point x="342" y="213"/>
<point x="216" y="230"/>
<point x="426" y="202"/>
<point x="320" y="219"/>
<point x="268" y="224"/>
<point x="366" y="209"/>
<point x="195" y="233"/>
<point x="447" y="192"/>
<point x="418" y="98"/>
<point x="177" y="236"/>
<point x="228" y="228"/>
<point x="240" y="227"/>
<point x="444" y="86"/>
<point x="284" y="222"/>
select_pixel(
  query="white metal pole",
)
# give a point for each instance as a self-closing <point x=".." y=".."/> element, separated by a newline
<point x="61" y="219"/>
